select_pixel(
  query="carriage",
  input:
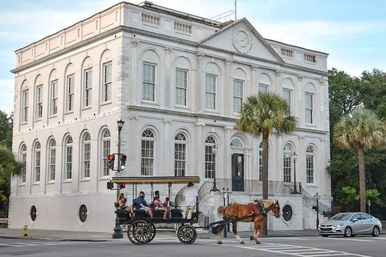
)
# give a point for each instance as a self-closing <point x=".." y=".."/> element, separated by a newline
<point x="141" y="228"/>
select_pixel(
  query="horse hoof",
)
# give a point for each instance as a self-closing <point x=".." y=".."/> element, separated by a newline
<point x="242" y="242"/>
<point x="258" y="242"/>
<point x="219" y="242"/>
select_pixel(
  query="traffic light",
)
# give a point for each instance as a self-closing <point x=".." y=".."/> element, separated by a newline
<point x="110" y="185"/>
<point x="123" y="161"/>
<point x="110" y="161"/>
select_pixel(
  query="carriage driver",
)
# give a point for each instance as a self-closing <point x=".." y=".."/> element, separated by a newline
<point x="190" y="195"/>
<point x="140" y="203"/>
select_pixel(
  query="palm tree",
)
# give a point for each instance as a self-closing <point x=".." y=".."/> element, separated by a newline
<point x="362" y="131"/>
<point x="260" y="116"/>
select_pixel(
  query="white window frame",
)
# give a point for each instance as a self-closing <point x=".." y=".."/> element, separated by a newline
<point x="106" y="150"/>
<point x="287" y="162"/>
<point x="51" y="160"/>
<point x="210" y="157"/>
<point x="68" y="158"/>
<point x="106" y="82"/>
<point x="209" y="93"/>
<point x="309" y="110"/>
<point x="39" y="102"/>
<point x="149" y="83"/>
<point x="70" y="84"/>
<point x="23" y="160"/>
<point x="54" y="97"/>
<point x="238" y="95"/>
<point x="37" y="161"/>
<point x="310" y="165"/>
<point x="87" y="88"/>
<point x="180" y="145"/>
<point x="181" y="87"/>
<point x="262" y="88"/>
<point x="86" y="156"/>
<point x="147" y="147"/>
<point x="24" y="106"/>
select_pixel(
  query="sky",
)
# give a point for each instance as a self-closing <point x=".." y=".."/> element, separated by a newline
<point x="353" y="32"/>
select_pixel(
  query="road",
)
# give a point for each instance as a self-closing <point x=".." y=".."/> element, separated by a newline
<point x="171" y="247"/>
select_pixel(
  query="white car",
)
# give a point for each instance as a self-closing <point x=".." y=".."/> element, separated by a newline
<point x="350" y="224"/>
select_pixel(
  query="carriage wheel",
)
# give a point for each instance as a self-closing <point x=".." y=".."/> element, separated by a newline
<point x="141" y="231"/>
<point x="187" y="234"/>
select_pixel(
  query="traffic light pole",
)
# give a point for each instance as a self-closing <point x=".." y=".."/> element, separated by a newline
<point x="117" y="229"/>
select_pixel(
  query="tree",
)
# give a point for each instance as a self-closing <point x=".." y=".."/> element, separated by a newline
<point x="260" y="116"/>
<point x="362" y="131"/>
<point x="8" y="167"/>
<point x="5" y="129"/>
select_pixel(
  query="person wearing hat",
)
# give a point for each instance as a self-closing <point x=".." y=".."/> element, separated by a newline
<point x="190" y="196"/>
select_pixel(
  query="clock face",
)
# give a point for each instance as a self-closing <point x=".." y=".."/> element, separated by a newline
<point x="242" y="41"/>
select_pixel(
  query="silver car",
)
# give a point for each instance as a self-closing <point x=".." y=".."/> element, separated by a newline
<point x="351" y="224"/>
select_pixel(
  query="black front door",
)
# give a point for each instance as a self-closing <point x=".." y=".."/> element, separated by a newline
<point x="237" y="172"/>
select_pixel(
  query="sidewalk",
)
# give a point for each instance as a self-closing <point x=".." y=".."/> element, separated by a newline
<point x="103" y="236"/>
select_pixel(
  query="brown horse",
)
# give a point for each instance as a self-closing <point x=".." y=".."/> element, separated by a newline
<point x="252" y="212"/>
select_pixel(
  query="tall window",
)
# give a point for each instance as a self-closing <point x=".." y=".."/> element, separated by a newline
<point x="181" y="86"/>
<point x="70" y="93"/>
<point x="210" y="159"/>
<point x="86" y="155"/>
<point x="287" y="96"/>
<point x="68" y="157"/>
<point x="54" y="97"/>
<point x="106" y="145"/>
<point x="39" y="102"/>
<point x="147" y="152"/>
<point x="23" y="160"/>
<point x="24" y="106"/>
<point x="310" y="164"/>
<point x="51" y="160"/>
<point x="36" y="162"/>
<point x="210" y="91"/>
<point x="87" y="88"/>
<point x="238" y="88"/>
<point x="106" y="75"/>
<point x="287" y="165"/>
<point x="260" y="175"/>
<point x="180" y="154"/>
<point x="148" y="84"/>
<point x="263" y="88"/>
<point x="309" y="102"/>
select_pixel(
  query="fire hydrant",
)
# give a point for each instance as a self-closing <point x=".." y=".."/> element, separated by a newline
<point x="25" y="230"/>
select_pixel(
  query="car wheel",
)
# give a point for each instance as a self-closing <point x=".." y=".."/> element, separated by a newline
<point x="324" y="235"/>
<point x="348" y="232"/>
<point x="376" y="231"/>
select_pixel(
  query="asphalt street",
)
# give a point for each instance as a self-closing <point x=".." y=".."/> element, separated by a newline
<point x="171" y="247"/>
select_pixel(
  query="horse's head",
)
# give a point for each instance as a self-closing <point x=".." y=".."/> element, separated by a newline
<point x="276" y="209"/>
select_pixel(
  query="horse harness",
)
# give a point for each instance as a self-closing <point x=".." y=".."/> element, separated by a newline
<point x="253" y="208"/>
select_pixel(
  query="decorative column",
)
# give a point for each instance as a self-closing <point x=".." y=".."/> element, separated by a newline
<point x="227" y="90"/>
<point x="199" y="86"/>
<point x="134" y="72"/>
<point x="199" y="142"/>
<point x="227" y="153"/>
<point x="168" y="97"/>
<point x="254" y="85"/>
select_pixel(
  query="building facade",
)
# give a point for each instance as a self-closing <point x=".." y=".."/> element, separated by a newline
<point x="178" y="81"/>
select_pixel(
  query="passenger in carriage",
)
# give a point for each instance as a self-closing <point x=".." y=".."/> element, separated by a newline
<point x="122" y="203"/>
<point x="166" y="205"/>
<point x="140" y="203"/>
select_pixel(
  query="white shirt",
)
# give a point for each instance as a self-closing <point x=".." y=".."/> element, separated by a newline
<point x="190" y="194"/>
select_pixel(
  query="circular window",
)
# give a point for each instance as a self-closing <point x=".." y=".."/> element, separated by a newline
<point x="287" y="212"/>
<point x="83" y="213"/>
<point x="32" y="213"/>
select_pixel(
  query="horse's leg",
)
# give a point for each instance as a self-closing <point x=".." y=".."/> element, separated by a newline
<point x="220" y="236"/>
<point x="257" y="231"/>
<point x="234" y="229"/>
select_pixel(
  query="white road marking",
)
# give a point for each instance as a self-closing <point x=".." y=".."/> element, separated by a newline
<point x="351" y="239"/>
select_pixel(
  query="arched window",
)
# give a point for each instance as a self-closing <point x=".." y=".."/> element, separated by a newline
<point x="68" y="157"/>
<point x="51" y="159"/>
<point x="180" y="154"/>
<point x="147" y="153"/>
<point x="106" y="145"/>
<point x="38" y="98"/>
<point x="24" y="103"/>
<point x="36" y="162"/>
<point x="310" y="164"/>
<point x="210" y="157"/>
<point x="23" y="160"/>
<point x="106" y="76"/>
<point x="260" y="170"/>
<point x="287" y="166"/>
<point x="86" y="155"/>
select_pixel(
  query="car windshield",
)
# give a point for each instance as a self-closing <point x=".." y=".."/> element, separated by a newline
<point x="341" y="216"/>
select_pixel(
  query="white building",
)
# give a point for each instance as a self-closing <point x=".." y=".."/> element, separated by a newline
<point x="178" y="81"/>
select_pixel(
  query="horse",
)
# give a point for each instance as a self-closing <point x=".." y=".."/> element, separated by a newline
<point x="252" y="212"/>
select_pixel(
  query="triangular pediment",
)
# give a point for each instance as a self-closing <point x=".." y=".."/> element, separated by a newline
<point x="241" y="37"/>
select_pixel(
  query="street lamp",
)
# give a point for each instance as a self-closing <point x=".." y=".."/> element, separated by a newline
<point x="226" y="195"/>
<point x="317" y="197"/>
<point x="117" y="229"/>
<point x="214" y="188"/>
<point x="294" y="156"/>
